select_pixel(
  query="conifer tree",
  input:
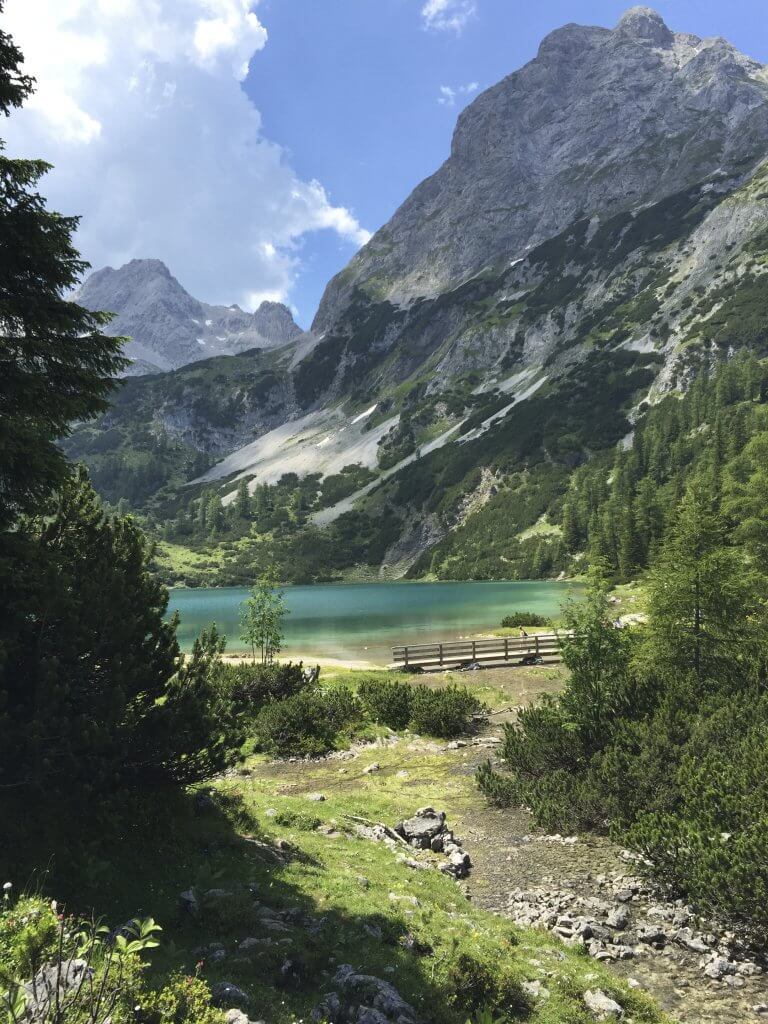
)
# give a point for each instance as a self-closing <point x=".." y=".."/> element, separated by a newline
<point x="243" y="500"/>
<point x="706" y="611"/>
<point x="56" y="364"/>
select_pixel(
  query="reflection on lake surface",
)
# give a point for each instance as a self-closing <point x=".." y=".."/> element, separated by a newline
<point x="363" y="621"/>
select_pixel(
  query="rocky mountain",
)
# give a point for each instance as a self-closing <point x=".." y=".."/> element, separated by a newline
<point x="597" y="236"/>
<point x="168" y="328"/>
<point x="600" y="122"/>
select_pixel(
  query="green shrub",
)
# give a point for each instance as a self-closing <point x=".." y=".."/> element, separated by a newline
<point x="254" y="685"/>
<point x="296" y="819"/>
<point x="388" y="703"/>
<point x="500" y="789"/>
<point x="184" y="1000"/>
<point x="445" y="713"/>
<point x="34" y="935"/>
<point x="477" y="986"/>
<point x="525" y="619"/>
<point x="307" y="723"/>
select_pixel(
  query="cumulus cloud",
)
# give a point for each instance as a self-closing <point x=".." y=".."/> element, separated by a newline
<point x="449" y="95"/>
<point x="140" y="109"/>
<point x="448" y="15"/>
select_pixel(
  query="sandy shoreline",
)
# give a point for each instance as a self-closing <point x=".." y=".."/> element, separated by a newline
<point x="238" y="658"/>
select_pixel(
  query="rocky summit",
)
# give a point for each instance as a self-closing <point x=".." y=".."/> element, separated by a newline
<point x="168" y="328"/>
<point x="601" y="121"/>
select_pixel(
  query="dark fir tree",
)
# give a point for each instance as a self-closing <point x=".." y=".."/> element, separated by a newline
<point x="56" y="364"/>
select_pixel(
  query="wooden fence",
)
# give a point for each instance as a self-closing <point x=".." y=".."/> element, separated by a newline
<point x="503" y="650"/>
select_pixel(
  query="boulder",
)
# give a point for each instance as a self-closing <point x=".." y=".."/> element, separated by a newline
<point x="225" y="994"/>
<point x="686" y="938"/>
<point x="421" y="829"/>
<point x="49" y="985"/>
<point x="618" y="918"/>
<point x="718" y="968"/>
<point x="188" y="903"/>
<point x="234" y="1016"/>
<point x="601" y="1006"/>
<point x="363" y="999"/>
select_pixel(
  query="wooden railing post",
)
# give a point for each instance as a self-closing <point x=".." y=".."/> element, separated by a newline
<point x="441" y="655"/>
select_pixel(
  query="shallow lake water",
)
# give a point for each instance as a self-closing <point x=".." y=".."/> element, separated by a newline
<point x="364" y="621"/>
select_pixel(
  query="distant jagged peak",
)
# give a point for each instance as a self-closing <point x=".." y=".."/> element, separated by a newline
<point x="168" y="327"/>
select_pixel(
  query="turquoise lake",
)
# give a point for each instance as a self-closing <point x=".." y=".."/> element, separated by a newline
<point x="363" y="621"/>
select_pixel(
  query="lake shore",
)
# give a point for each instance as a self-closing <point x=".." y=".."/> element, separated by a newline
<point x="242" y="657"/>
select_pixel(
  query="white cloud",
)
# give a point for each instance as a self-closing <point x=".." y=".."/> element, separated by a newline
<point x="140" y="109"/>
<point x="448" y="15"/>
<point x="449" y="95"/>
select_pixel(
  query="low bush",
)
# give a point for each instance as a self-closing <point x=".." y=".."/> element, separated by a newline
<point x="388" y="703"/>
<point x="309" y="723"/>
<point x="499" y="788"/>
<point x="438" y="712"/>
<point x="518" y="619"/>
<point x="254" y="685"/>
<point x="445" y="713"/>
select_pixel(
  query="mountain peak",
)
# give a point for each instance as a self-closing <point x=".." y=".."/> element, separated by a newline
<point x="645" y="24"/>
<point x="605" y="120"/>
<point x="169" y="328"/>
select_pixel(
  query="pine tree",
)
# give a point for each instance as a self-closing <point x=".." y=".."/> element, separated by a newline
<point x="242" y="501"/>
<point x="706" y="611"/>
<point x="56" y="364"/>
<point x="571" y="532"/>
<point x="94" y="652"/>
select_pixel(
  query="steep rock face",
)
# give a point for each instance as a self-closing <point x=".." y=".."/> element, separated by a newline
<point x="601" y="121"/>
<point x="169" y="328"/>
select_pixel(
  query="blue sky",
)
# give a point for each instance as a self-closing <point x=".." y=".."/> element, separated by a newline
<point x="262" y="185"/>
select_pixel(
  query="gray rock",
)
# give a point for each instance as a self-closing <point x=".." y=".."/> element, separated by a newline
<point x="601" y="1006"/>
<point x="651" y="935"/>
<point x="618" y="918"/>
<point x="686" y="938"/>
<point x="234" y="1016"/>
<point x="204" y="803"/>
<point x="51" y="983"/>
<point x="535" y="989"/>
<point x="225" y="994"/>
<point x="422" y="828"/>
<point x="718" y="968"/>
<point x="188" y="903"/>
<point x="363" y="999"/>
